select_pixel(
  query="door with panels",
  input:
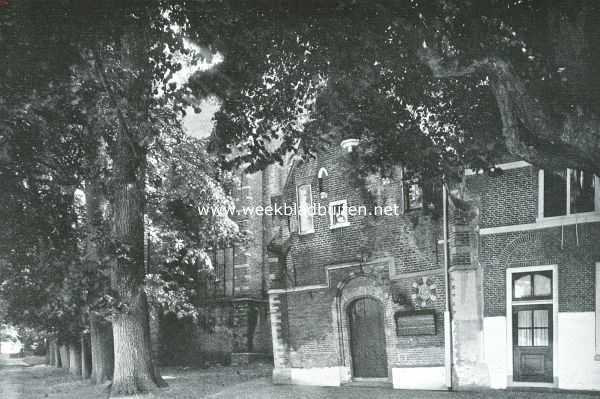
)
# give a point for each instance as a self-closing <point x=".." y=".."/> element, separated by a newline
<point x="367" y="338"/>
<point x="532" y="326"/>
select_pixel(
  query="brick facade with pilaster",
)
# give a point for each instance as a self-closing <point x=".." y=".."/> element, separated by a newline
<point x="513" y="234"/>
<point x="323" y="274"/>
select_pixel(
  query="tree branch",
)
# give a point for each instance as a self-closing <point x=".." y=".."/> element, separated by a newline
<point x="530" y="129"/>
<point x="442" y="68"/>
<point x="99" y="67"/>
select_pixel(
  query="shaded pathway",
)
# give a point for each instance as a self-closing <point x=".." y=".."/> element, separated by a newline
<point x="18" y="380"/>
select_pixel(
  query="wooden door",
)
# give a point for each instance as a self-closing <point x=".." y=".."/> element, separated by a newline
<point x="367" y="339"/>
<point x="532" y="343"/>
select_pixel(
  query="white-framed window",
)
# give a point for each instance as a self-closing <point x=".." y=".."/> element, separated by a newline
<point x="412" y="190"/>
<point x="412" y="193"/>
<point x="323" y="186"/>
<point x="305" y="215"/>
<point x="338" y="214"/>
<point x="567" y="192"/>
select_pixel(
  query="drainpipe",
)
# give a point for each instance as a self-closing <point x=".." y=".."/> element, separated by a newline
<point x="447" y="313"/>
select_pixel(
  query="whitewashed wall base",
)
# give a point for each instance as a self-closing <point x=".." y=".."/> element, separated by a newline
<point x="430" y="378"/>
<point x="494" y="338"/>
<point x="577" y="368"/>
<point x="319" y="376"/>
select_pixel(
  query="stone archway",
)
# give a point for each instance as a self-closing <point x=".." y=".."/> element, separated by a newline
<point x="354" y="288"/>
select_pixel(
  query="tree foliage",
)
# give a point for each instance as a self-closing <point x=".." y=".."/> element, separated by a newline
<point x="87" y="95"/>
<point x="435" y="85"/>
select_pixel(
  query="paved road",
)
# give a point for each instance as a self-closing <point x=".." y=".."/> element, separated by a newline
<point x="263" y="389"/>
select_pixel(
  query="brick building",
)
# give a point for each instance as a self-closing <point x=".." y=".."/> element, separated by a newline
<point x="362" y="296"/>
<point x="236" y="328"/>
<point x="354" y="285"/>
<point x="538" y="268"/>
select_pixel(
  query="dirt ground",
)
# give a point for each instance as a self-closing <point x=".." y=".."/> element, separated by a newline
<point x="20" y="380"/>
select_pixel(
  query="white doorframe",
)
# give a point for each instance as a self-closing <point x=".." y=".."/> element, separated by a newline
<point x="509" y="321"/>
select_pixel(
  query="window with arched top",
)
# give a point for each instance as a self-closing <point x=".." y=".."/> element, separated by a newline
<point x="305" y="209"/>
<point x="322" y="176"/>
<point x="536" y="285"/>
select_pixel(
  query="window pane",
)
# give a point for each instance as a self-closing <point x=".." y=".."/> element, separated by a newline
<point x="524" y="330"/>
<point x="542" y="285"/>
<point x="555" y="193"/>
<point x="305" y="216"/>
<point x="415" y="196"/>
<point x="540" y="318"/>
<point x="524" y="319"/>
<point x="522" y="286"/>
<point x="582" y="191"/>
<point x="339" y="214"/>
<point x="524" y="337"/>
<point x="540" y="337"/>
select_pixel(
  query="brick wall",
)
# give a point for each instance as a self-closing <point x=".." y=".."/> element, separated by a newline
<point x="543" y="247"/>
<point x="508" y="199"/>
<point x="311" y="335"/>
<point x="412" y="238"/>
<point x="511" y="199"/>
<point x="309" y="331"/>
<point x="253" y="260"/>
<point x="223" y="330"/>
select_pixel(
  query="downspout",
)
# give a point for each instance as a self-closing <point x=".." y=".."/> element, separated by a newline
<point x="447" y="311"/>
<point x="224" y="271"/>
<point x="233" y="271"/>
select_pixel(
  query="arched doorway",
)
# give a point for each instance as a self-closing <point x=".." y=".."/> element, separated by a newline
<point x="367" y="338"/>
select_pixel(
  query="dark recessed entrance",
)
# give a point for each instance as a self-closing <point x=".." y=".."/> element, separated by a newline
<point x="367" y="338"/>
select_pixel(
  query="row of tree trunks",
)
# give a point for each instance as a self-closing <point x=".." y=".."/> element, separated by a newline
<point x="64" y="356"/>
<point x="57" y="354"/>
<point x="52" y="352"/>
<point x="86" y="357"/>
<point x="75" y="359"/>
<point x="101" y="342"/>
<point x="92" y="357"/>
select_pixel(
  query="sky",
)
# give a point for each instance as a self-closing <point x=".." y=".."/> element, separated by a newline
<point x="198" y="125"/>
<point x="10" y="346"/>
<point x="201" y="125"/>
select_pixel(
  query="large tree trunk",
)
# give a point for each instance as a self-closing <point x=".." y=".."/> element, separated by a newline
<point x="64" y="356"/>
<point x="52" y="352"/>
<point x="155" y="340"/>
<point x="101" y="338"/>
<point x="47" y="351"/>
<point x="133" y="350"/>
<point x="57" y="360"/>
<point x="134" y="369"/>
<point x="75" y="359"/>
<point x="86" y="356"/>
